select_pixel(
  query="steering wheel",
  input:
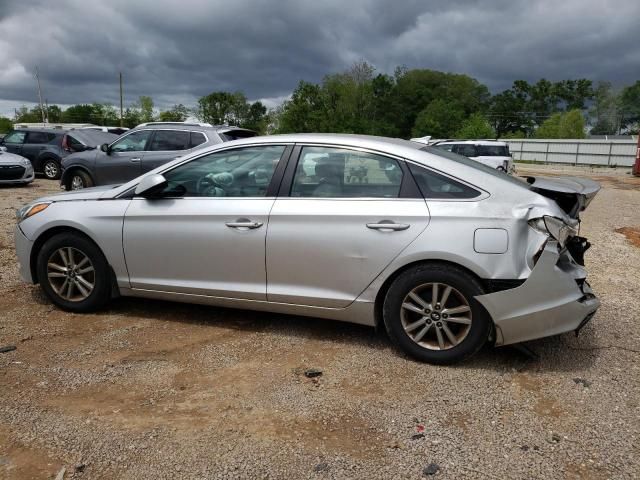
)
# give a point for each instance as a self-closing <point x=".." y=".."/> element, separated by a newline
<point x="214" y="184"/>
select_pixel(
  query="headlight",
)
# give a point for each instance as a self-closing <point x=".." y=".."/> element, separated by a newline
<point x="30" y="210"/>
<point x="555" y="228"/>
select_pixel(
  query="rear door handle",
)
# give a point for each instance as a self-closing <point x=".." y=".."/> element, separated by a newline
<point x="135" y="160"/>
<point x="244" y="224"/>
<point x="388" y="226"/>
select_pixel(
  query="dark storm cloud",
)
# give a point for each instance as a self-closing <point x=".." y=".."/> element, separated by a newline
<point x="178" y="51"/>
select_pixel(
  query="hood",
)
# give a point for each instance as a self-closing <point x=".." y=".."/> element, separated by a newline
<point x="7" y="158"/>
<point x="572" y="194"/>
<point x="93" y="193"/>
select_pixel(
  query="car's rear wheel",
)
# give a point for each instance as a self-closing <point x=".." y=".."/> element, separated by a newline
<point x="73" y="273"/>
<point x="430" y="312"/>
<point x="51" y="169"/>
<point x="79" y="180"/>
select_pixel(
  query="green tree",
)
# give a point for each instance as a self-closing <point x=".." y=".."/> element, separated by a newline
<point x="605" y="112"/>
<point x="257" y="118"/>
<point x="25" y="115"/>
<point x="562" y="125"/>
<point x="81" y="113"/>
<point x="5" y="124"/>
<point x="508" y="112"/>
<point x="514" y="134"/>
<point x="146" y="109"/>
<point x="630" y="105"/>
<point x="440" y="119"/>
<point x="177" y="113"/>
<point x="416" y="89"/>
<point x="304" y="112"/>
<point x="476" y="126"/>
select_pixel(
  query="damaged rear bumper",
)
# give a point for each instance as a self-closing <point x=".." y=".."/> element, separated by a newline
<point x="555" y="299"/>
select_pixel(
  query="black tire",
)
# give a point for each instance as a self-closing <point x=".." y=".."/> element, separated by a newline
<point x="464" y="286"/>
<point x="101" y="292"/>
<point x="51" y="168"/>
<point x="78" y="180"/>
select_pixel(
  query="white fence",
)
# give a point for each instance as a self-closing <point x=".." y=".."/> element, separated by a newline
<point x="576" y="152"/>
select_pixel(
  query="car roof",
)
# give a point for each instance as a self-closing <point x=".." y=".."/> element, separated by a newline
<point x="471" y="142"/>
<point x="196" y="126"/>
<point x="61" y="131"/>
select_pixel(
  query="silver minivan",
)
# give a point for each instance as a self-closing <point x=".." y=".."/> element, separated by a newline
<point x="444" y="253"/>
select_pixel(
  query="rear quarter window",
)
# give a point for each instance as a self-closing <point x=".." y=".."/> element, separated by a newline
<point x="435" y="185"/>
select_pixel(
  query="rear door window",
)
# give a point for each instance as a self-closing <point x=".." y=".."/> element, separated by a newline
<point x="493" y="151"/>
<point x="169" y="140"/>
<point x="466" y="150"/>
<point x="328" y="172"/>
<point x="39" y="137"/>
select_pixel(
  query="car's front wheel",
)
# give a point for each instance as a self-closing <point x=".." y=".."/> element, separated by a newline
<point x="79" y="180"/>
<point x="51" y="169"/>
<point x="73" y="273"/>
<point x="430" y="312"/>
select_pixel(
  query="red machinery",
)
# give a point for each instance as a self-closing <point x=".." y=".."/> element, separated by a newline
<point x="636" y="166"/>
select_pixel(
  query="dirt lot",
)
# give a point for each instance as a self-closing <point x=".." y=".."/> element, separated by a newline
<point x="159" y="390"/>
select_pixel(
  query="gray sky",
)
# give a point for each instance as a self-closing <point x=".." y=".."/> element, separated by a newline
<point x="177" y="51"/>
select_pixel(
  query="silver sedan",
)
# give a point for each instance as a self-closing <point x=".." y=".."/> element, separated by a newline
<point x="442" y="252"/>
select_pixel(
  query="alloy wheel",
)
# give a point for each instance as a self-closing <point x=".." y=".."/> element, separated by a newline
<point x="71" y="274"/>
<point x="77" y="183"/>
<point x="436" y="316"/>
<point x="51" y="169"/>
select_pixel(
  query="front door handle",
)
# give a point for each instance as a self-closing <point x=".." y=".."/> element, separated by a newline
<point x="243" y="223"/>
<point x="135" y="160"/>
<point x="388" y="226"/>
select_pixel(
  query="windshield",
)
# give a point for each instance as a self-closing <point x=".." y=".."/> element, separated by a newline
<point x="475" y="164"/>
<point x="492" y="150"/>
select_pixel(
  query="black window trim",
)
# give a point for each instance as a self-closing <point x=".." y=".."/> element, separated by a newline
<point x="272" y="188"/>
<point x="408" y="187"/>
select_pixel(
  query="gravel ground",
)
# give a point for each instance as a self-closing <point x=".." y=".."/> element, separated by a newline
<point x="159" y="390"/>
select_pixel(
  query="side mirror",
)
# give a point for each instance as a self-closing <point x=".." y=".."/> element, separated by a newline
<point x="105" y="148"/>
<point x="151" y="185"/>
<point x="3" y="149"/>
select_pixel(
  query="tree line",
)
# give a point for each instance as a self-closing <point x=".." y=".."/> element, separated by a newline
<point x="409" y="103"/>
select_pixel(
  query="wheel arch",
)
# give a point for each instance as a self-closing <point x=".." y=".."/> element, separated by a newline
<point x="68" y="172"/>
<point x="52" y="232"/>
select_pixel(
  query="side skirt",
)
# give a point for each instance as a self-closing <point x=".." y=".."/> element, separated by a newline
<point x="359" y="312"/>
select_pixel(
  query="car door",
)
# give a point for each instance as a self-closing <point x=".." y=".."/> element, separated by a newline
<point x="205" y="234"/>
<point x="14" y="141"/>
<point x="123" y="160"/>
<point x="164" y="146"/>
<point x="347" y="215"/>
<point x="36" y="143"/>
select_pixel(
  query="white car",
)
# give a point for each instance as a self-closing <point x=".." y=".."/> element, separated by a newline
<point x="492" y="153"/>
<point x="14" y="168"/>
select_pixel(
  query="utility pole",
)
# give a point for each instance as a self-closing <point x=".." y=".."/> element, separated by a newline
<point x="121" y="106"/>
<point x="40" y="96"/>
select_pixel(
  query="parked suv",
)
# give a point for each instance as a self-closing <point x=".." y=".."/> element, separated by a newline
<point x="43" y="146"/>
<point x="141" y="149"/>
<point x="491" y="153"/>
